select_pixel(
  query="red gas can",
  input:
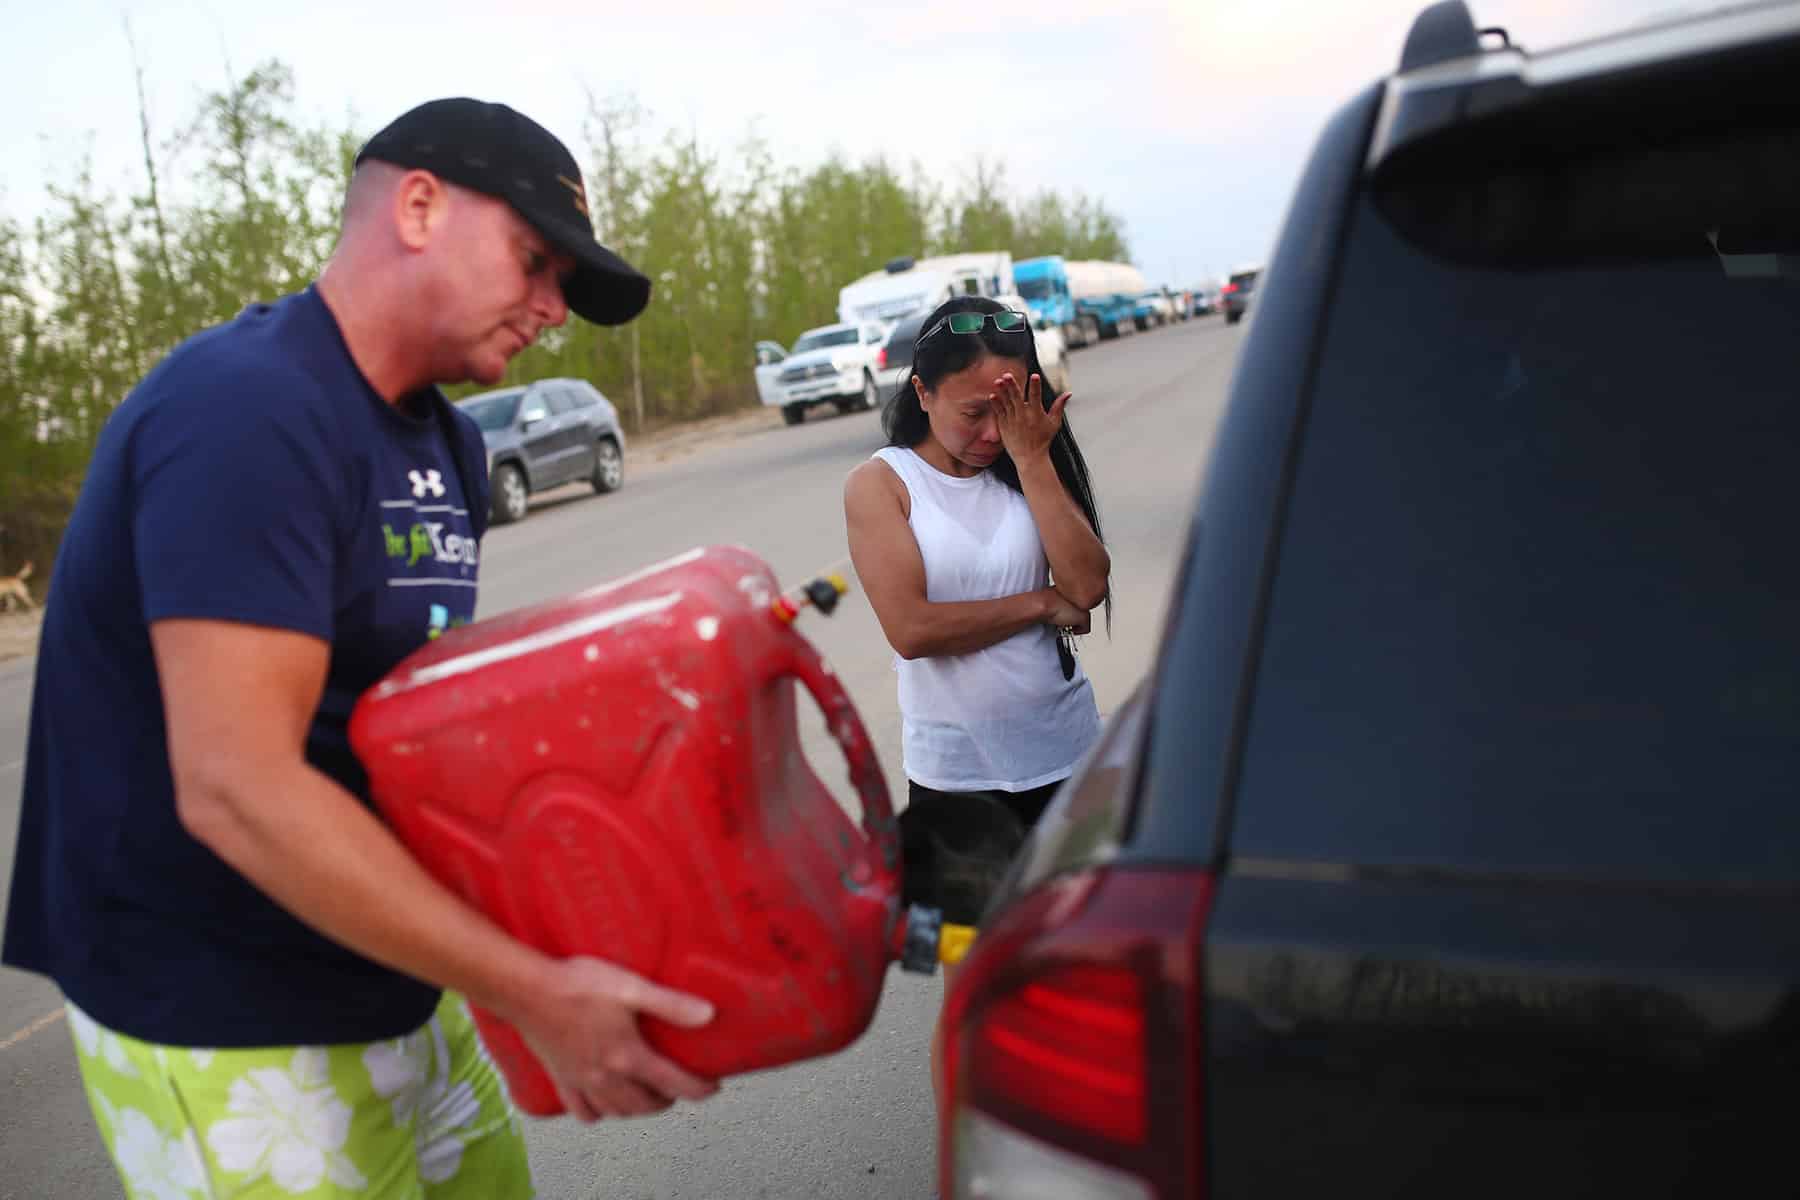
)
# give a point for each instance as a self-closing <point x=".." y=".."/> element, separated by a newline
<point x="619" y="774"/>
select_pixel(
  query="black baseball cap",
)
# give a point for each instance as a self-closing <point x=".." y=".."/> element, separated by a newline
<point x="491" y="149"/>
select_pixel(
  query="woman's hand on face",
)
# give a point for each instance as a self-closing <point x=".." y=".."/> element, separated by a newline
<point x="1026" y="428"/>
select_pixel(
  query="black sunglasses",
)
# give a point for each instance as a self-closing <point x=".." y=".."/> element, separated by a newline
<point x="1007" y="320"/>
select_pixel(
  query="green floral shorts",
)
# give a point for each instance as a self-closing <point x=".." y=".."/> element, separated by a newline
<point x="423" y="1117"/>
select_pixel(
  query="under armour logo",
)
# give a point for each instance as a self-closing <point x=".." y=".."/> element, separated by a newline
<point x="424" y="482"/>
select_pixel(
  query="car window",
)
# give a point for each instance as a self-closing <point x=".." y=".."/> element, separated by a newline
<point x="1245" y="281"/>
<point x="1535" y="607"/>
<point x="583" y="397"/>
<point x="820" y="338"/>
<point x="492" y="412"/>
<point x="560" y="401"/>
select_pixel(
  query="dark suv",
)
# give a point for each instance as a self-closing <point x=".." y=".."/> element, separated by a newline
<point x="1452" y="847"/>
<point x="1235" y="296"/>
<point x="549" y="433"/>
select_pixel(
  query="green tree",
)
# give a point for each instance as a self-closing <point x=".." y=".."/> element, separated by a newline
<point x="1096" y="232"/>
<point x="269" y="198"/>
<point x="982" y="214"/>
<point x="1077" y="227"/>
<point x="91" y="350"/>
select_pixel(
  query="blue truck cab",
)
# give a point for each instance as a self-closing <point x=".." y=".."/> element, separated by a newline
<point x="1044" y="283"/>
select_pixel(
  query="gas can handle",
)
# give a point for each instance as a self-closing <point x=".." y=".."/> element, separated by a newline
<point x="847" y="730"/>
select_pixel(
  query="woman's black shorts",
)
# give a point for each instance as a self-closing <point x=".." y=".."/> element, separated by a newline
<point x="957" y="845"/>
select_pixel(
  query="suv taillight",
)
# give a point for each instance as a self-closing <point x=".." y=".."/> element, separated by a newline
<point x="1228" y="289"/>
<point x="1073" y="1044"/>
<point x="881" y="359"/>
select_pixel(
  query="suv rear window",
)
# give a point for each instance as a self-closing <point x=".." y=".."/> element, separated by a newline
<point x="1537" y="606"/>
<point x="902" y="339"/>
<point x="1245" y="282"/>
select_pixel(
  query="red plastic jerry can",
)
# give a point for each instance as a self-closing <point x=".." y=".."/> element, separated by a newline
<point x="619" y="774"/>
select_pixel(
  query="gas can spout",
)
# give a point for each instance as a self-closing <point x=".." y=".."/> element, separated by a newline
<point x="822" y="593"/>
<point x="924" y="940"/>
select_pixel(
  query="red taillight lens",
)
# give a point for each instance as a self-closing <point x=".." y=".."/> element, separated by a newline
<point x="1073" y="1038"/>
<point x="881" y="359"/>
<point x="1228" y="288"/>
<point x="1070" y="1046"/>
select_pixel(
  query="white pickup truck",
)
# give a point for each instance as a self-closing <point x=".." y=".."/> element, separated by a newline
<point x="835" y="364"/>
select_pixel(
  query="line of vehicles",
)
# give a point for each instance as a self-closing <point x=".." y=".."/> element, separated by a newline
<point x="557" y="431"/>
<point x="854" y="363"/>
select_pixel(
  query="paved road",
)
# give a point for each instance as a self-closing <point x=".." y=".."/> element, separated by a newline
<point x="858" y="1124"/>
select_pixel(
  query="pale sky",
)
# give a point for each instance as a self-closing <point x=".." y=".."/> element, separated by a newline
<point x="1191" y="119"/>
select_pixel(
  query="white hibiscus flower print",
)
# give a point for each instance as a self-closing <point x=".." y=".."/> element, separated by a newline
<point x="101" y="1043"/>
<point x="156" y="1167"/>
<point x="398" y="1070"/>
<point x="288" y="1125"/>
<point x="413" y="1072"/>
<point x="106" y="1116"/>
<point x="202" y="1058"/>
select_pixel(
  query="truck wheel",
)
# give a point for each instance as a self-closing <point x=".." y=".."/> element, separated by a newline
<point x="870" y="396"/>
<point x="793" y="414"/>
<point x="511" y="497"/>
<point x="1090" y="331"/>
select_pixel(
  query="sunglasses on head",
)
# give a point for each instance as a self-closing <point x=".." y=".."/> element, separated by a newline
<point x="1006" y="321"/>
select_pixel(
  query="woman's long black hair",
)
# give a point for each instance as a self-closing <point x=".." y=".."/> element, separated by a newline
<point x="904" y="421"/>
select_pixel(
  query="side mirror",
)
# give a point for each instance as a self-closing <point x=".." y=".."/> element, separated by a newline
<point x="534" y="416"/>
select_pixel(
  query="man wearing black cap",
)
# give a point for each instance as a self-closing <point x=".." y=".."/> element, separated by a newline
<point x="278" y="513"/>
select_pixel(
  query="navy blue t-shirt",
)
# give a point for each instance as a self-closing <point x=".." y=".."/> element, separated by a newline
<point x="253" y="476"/>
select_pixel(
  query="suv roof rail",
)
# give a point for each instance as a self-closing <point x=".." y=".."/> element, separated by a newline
<point x="1440" y="33"/>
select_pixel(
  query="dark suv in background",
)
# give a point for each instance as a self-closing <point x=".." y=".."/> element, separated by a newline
<point x="1236" y="294"/>
<point x="552" y="432"/>
<point x="1452" y="847"/>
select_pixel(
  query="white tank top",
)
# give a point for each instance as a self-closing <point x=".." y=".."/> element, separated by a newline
<point x="1002" y="718"/>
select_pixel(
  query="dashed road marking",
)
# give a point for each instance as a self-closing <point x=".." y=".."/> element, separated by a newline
<point x="38" y="1026"/>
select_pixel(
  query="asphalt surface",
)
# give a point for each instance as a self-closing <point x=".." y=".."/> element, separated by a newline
<point x="857" y="1124"/>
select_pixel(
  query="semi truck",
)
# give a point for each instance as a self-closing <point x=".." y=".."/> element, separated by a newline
<point x="1044" y="283"/>
<point x="1106" y="296"/>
